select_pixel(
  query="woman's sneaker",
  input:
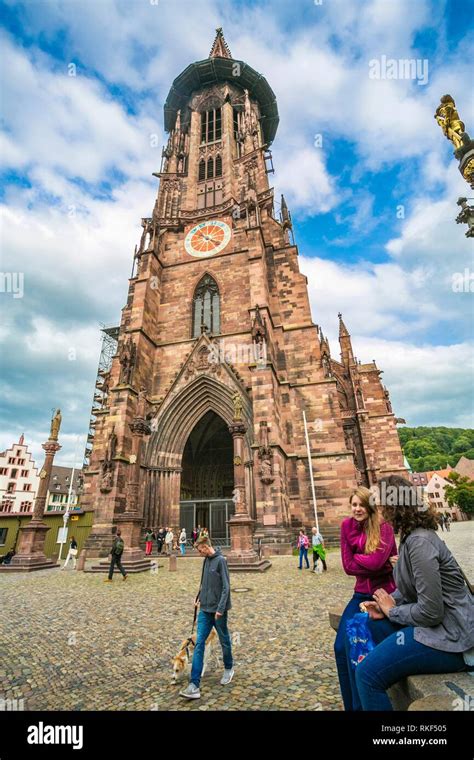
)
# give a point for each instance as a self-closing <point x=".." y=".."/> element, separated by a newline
<point x="227" y="677"/>
<point x="190" y="692"/>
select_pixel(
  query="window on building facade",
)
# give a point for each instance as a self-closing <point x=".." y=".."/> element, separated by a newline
<point x="14" y="473"/>
<point x="27" y="487"/>
<point x="210" y="168"/>
<point x="211" y="125"/>
<point x="3" y="470"/>
<point x="7" y="505"/>
<point x="206" y="307"/>
<point x="11" y="460"/>
<point x="25" y="506"/>
<point x="3" y="536"/>
<point x="202" y="170"/>
<point x="10" y="488"/>
<point x="24" y="473"/>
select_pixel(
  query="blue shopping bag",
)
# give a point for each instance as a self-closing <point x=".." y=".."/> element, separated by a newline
<point x="360" y="638"/>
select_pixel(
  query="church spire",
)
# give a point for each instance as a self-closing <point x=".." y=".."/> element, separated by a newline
<point x="220" y="48"/>
<point x="347" y="356"/>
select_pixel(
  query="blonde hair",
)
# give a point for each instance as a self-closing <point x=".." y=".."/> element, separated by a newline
<point x="372" y="528"/>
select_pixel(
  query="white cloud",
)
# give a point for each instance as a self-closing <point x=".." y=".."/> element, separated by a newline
<point x="89" y="160"/>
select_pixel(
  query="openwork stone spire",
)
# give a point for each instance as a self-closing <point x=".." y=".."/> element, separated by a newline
<point x="220" y="48"/>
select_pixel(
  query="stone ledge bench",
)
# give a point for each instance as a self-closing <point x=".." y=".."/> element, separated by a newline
<point x="442" y="692"/>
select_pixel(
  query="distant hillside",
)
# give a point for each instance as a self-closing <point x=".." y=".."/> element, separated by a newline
<point x="432" y="448"/>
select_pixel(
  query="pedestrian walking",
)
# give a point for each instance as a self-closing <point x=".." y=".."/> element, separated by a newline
<point x="441" y="521"/>
<point x="194" y="535"/>
<point x="182" y="542"/>
<point x="116" y="557"/>
<point x="72" y="553"/>
<point x="213" y="599"/>
<point x="447" y="523"/>
<point x="319" y="552"/>
<point x="303" y="545"/>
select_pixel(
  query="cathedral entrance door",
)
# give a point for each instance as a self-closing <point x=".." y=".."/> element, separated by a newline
<point x="207" y="479"/>
<point x="213" y="515"/>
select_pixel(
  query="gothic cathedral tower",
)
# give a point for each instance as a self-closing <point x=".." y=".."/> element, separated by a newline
<point x="218" y="310"/>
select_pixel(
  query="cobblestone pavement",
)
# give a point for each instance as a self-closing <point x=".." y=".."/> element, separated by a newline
<point x="460" y="540"/>
<point x="70" y="641"/>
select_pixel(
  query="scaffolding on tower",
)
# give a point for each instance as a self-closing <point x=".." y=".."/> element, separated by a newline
<point x="107" y="352"/>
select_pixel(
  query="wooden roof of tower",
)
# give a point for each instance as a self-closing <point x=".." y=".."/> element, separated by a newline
<point x="221" y="67"/>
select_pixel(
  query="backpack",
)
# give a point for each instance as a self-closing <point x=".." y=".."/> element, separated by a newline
<point x="118" y="548"/>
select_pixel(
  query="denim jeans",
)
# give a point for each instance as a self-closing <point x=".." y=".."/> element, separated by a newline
<point x="205" y="623"/>
<point x="398" y="655"/>
<point x="183" y="549"/>
<point x="303" y="553"/>
<point x="349" y="693"/>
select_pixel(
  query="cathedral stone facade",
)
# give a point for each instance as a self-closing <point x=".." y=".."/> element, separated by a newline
<point x="218" y="318"/>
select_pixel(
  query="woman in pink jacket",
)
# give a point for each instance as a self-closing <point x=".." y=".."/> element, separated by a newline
<point x="367" y="543"/>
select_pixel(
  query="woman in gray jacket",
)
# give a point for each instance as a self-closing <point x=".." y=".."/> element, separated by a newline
<point x="427" y="623"/>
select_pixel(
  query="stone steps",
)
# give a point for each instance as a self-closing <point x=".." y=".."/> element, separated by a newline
<point x="129" y="567"/>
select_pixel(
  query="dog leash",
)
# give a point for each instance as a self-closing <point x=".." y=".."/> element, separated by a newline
<point x="197" y="597"/>
<point x="190" y="641"/>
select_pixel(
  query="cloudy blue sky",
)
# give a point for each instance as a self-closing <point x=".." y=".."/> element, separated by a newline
<point x="369" y="178"/>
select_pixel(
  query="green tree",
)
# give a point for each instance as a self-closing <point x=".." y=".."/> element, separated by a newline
<point x="419" y="447"/>
<point x="460" y="493"/>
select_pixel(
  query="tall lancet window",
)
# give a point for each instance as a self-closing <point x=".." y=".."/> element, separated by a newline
<point x="206" y="307"/>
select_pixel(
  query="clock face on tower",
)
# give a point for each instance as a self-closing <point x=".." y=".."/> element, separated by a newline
<point x="207" y="238"/>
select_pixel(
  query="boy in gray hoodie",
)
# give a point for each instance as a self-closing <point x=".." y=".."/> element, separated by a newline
<point x="214" y="601"/>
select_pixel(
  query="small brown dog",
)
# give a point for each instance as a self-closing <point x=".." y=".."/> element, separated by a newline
<point x="182" y="661"/>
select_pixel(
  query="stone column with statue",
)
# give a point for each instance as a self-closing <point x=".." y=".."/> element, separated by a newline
<point x="242" y="555"/>
<point x="454" y="130"/>
<point x="30" y="551"/>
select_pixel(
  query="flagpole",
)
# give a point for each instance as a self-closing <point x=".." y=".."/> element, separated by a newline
<point x="69" y="496"/>
<point x="310" y="462"/>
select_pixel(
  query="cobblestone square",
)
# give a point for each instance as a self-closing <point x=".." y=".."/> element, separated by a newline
<point x="70" y="641"/>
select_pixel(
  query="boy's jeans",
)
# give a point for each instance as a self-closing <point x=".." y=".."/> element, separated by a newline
<point x="205" y="623"/>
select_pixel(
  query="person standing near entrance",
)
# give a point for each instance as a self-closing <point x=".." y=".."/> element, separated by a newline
<point x="319" y="552"/>
<point x="182" y="541"/>
<point x="169" y="541"/>
<point x="194" y="535"/>
<point x="160" y="540"/>
<point x="213" y="598"/>
<point x="149" y="542"/>
<point x="116" y="557"/>
<point x="72" y="554"/>
<point x="303" y="544"/>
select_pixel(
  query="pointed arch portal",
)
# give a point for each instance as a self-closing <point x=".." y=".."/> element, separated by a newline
<point x="189" y="459"/>
<point x="207" y="478"/>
